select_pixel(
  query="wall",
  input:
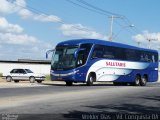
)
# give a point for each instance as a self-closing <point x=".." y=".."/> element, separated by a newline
<point x="37" y="68"/>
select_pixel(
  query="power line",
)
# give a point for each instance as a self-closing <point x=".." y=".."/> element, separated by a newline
<point x="74" y="3"/>
<point x="97" y="8"/>
<point x="38" y="12"/>
<point x="105" y="11"/>
<point x="100" y="11"/>
<point x="126" y="20"/>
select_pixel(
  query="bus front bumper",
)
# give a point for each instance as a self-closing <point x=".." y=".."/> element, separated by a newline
<point x="63" y="76"/>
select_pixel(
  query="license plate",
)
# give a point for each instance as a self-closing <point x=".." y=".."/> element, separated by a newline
<point x="60" y="79"/>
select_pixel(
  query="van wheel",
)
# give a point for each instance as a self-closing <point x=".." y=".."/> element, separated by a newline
<point x="90" y="80"/>
<point x="69" y="83"/>
<point x="8" y="78"/>
<point x="32" y="79"/>
<point x="143" y="81"/>
<point x="137" y="81"/>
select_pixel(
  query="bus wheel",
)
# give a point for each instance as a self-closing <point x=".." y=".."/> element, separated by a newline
<point x="143" y="81"/>
<point x="69" y="83"/>
<point x="90" y="80"/>
<point x="137" y="81"/>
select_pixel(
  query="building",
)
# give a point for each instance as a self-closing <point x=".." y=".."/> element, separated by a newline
<point x="37" y="66"/>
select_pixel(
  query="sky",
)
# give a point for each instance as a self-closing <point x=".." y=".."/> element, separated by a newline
<point x="28" y="28"/>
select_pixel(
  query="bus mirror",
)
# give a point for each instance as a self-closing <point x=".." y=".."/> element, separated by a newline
<point x="77" y="51"/>
<point x="75" y="54"/>
<point x="49" y="51"/>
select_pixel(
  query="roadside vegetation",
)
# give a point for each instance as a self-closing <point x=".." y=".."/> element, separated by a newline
<point x="1" y="74"/>
<point x="48" y="78"/>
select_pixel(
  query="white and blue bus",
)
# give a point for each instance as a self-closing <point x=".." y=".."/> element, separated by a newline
<point x="91" y="60"/>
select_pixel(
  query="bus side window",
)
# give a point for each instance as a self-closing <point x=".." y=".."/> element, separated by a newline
<point x="108" y="55"/>
<point x="109" y="52"/>
<point x="153" y="58"/>
<point x="156" y="57"/>
<point x="97" y="52"/>
<point x="131" y="55"/>
<point x="83" y="55"/>
<point x="142" y="59"/>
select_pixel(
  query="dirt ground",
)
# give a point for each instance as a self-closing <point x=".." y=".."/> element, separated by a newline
<point x="2" y="80"/>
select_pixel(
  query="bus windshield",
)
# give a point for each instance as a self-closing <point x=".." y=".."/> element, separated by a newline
<point x="64" y="59"/>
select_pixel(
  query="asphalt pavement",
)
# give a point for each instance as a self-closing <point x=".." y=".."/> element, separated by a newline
<point x="101" y="101"/>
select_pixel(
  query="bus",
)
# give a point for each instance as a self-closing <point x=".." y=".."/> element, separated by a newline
<point x="93" y="60"/>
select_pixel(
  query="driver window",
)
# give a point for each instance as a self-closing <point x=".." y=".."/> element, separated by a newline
<point x="80" y="59"/>
<point x="83" y="55"/>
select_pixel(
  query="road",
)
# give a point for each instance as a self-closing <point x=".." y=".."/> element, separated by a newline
<point x="78" y="101"/>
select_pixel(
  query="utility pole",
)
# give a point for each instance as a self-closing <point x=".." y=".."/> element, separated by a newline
<point x="111" y="25"/>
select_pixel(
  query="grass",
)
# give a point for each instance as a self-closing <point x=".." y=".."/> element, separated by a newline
<point x="48" y="78"/>
<point x="1" y="74"/>
<point x="1" y="77"/>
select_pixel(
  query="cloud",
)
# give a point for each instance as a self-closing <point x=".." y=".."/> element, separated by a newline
<point x="14" y="40"/>
<point x="146" y="36"/>
<point x="45" y="18"/>
<point x="7" y="27"/>
<point x="14" y="52"/>
<point x="7" y="7"/>
<point x="19" y="7"/>
<point x="24" y="13"/>
<point x="78" y="30"/>
<point x="22" y="39"/>
<point x="16" y="46"/>
<point x="13" y="34"/>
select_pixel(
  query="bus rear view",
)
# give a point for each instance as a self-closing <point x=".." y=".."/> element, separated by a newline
<point x="91" y="60"/>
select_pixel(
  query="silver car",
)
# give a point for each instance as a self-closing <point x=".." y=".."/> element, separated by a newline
<point x="22" y="75"/>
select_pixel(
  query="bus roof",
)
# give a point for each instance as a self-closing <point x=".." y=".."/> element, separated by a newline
<point x="101" y="42"/>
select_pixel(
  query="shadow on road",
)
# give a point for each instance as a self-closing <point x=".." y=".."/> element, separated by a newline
<point x="113" y="110"/>
<point x="100" y="84"/>
<point x="75" y="85"/>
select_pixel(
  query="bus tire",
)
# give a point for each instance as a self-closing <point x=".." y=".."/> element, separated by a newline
<point x="69" y="83"/>
<point x="8" y="78"/>
<point x="143" y="81"/>
<point x="90" y="80"/>
<point x="137" y="81"/>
